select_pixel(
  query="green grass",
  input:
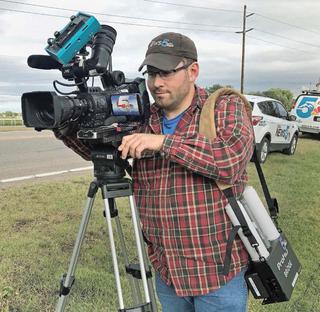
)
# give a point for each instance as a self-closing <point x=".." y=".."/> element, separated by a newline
<point x="39" y="223"/>
<point x="38" y="226"/>
<point x="14" y="128"/>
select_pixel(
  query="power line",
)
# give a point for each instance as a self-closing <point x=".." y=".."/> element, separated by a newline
<point x="280" y="45"/>
<point x="35" y="13"/>
<point x="115" y="15"/>
<point x="148" y="25"/>
<point x="158" y="20"/>
<point x="121" y="23"/>
<point x="194" y="6"/>
<point x="284" y="37"/>
<point x="234" y="11"/>
<point x="286" y="23"/>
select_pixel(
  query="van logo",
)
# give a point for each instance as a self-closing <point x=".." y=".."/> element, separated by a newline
<point x="283" y="132"/>
<point x="308" y="106"/>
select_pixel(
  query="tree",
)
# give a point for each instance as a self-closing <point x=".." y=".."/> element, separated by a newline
<point x="282" y="95"/>
<point x="9" y="114"/>
<point x="215" y="87"/>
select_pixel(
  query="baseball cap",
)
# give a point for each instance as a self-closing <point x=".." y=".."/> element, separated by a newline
<point x="167" y="50"/>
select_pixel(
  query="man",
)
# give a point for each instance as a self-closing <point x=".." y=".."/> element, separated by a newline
<point x="174" y="179"/>
<point x="174" y="173"/>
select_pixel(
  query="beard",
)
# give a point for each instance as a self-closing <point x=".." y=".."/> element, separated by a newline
<point x="170" y="100"/>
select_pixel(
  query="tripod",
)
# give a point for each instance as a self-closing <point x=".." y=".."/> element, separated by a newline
<point x="109" y="172"/>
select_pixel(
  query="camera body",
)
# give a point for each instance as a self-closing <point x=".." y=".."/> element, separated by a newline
<point x="100" y="115"/>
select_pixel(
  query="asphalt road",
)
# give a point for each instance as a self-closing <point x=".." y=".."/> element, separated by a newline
<point x="25" y="153"/>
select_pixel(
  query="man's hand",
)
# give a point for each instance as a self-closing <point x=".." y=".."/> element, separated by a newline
<point x="135" y="144"/>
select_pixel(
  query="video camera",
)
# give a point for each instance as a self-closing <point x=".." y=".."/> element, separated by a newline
<point x="100" y="116"/>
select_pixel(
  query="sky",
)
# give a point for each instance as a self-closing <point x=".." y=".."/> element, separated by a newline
<point x="282" y="50"/>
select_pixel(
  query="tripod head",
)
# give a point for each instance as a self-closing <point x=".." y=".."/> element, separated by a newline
<point x="109" y="167"/>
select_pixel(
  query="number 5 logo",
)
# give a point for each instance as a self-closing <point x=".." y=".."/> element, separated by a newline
<point x="306" y="107"/>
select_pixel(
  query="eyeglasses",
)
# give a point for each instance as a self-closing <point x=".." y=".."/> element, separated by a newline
<point x="163" y="74"/>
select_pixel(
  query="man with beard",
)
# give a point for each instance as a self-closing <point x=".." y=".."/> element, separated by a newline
<point x="174" y="180"/>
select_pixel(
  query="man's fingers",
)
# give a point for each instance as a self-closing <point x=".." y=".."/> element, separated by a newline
<point x="125" y="140"/>
<point x="136" y="144"/>
<point x="125" y="145"/>
<point x="132" y="148"/>
<point x="139" y="150"/>
<point x="129" y="145"/>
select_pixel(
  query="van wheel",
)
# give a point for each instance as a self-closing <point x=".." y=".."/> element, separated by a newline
<point x="293" y="146"/>
<point x="264" y="150"/>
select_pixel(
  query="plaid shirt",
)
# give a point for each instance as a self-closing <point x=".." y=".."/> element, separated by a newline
<point x="181" y="208"/>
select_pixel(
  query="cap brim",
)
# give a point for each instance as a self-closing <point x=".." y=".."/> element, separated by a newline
<point x="161" y="61"/>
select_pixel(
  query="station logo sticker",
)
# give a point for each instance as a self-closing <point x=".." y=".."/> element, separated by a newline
<point x="283" y="131"/>
<point x="308" y="106"/>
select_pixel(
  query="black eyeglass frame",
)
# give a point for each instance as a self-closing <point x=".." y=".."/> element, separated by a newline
<point x="164" y="73"/>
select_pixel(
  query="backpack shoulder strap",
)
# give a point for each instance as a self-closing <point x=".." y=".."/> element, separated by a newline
<point x="207" y="125"/>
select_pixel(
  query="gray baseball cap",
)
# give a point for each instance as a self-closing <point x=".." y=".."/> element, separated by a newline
<point x="167" y="50"/>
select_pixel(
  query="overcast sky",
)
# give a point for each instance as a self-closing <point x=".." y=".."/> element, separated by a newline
<point x="282" y="50"/>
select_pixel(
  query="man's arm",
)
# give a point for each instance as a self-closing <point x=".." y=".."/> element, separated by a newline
<point x="70" y="139"/>
<point x="223" y="158"/>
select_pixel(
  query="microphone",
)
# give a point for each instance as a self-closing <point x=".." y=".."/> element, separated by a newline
<point x="43" y="62"/>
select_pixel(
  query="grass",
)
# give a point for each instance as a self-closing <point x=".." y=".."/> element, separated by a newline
<point x="14" y="128"/>
<point x="39" y="222"/>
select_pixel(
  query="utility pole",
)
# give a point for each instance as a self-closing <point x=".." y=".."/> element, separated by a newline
<point x="243" y="32"/>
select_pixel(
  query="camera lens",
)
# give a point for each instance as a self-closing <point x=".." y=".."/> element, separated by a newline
<point x="37" y="109"/>
<point x="46" y="116"/>
<point x="47" y="110"/>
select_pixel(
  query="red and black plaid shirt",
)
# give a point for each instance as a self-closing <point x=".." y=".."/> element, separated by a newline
<point x="181" y="208"/>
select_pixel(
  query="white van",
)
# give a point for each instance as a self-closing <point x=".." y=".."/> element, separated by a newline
<point x="307" y="111"/>
<point x="274" y="129"/>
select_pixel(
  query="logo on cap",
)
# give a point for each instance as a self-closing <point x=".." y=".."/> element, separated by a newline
<point x="166" y="43"/>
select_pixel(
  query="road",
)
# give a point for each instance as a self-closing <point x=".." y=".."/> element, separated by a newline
<point x="27" y="153"/>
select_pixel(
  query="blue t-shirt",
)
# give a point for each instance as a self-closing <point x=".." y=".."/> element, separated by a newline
<point x="169" y="125"/>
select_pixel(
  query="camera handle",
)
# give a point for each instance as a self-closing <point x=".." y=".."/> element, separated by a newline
<point x="110" y="191"/>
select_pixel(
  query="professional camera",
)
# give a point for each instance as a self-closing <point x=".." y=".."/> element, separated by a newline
<point x="100" y="118"/>
<point x="100" y="115"/>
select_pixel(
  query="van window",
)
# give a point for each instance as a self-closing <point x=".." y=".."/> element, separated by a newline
<point x="268" y="108"/>
<point x="281" y="111"/>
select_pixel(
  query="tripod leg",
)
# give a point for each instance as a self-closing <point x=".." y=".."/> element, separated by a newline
<point x="136" y="227"/>
<point x="145" y="260"/>
<point x="68" y="279"/>
<point x="133" y="283"/>
<point x="113" y="247"/>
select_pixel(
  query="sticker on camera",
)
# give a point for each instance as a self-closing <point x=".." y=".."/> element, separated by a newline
<point x="125" y="105"/>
